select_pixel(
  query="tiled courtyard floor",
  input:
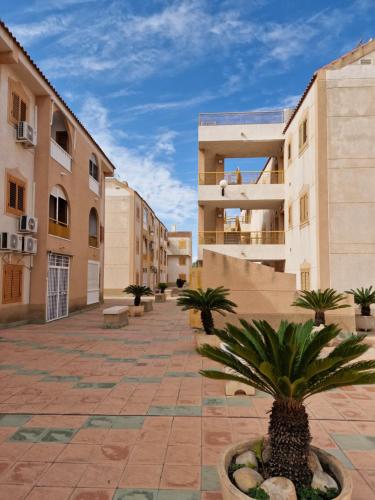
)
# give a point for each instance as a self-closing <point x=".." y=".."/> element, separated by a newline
<point x="93" y="414"/>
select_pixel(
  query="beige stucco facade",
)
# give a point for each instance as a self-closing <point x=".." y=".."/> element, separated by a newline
<point x="55" y="176"/>
<point x="179" y="255"/>
<point x="312" y="217"/>
<point x="136" y="241"/>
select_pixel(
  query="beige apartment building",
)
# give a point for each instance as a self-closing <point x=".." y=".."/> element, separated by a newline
<point x="135" y="241"/>
<point x="52" y="198"/>
<point x="309" y="212"/>
<point x="179" y="255"/>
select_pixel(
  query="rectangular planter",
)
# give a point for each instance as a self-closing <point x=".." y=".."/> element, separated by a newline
<point x="136" y="310"/>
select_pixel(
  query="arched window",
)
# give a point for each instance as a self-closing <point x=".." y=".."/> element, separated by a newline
<point x="94" y="168"/>
<point x="93" y="228"/>
<point x="58" y="213"/>
<point x="59" y="131"/>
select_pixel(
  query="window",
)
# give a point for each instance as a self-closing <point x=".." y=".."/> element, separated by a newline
<point x="303" y="134"/>
<point x="93" y="168"/>
<point x="59" y="131"/>
<point x="145" y="218"/>
<point x="137" y="246"/>
<point x="182" y="244"/>
<point x="289" y="151"/>
<point x="12" y="283"/>
<point x="93" y="228"/>
<point x="182" y="260"/>
<point x="138" y="213"/>
<point x="58" y="213"/>
<point x="137" y="278"/>
<point x="290" y="216"/>
<point x="18" y="103"/>
<point x="304" y="208"/>
<point x="305" y="278"/>
<point x="16" y="196"/>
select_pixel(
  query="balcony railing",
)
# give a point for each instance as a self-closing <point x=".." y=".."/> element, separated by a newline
<point x="94" y="185"/>
<point x="60" y="155"/>
<point x="242" y="177"/>
<point x="243" y="118"/>
<point x="241" y="238"/>
<point x="93" y="241"/>
<point x="57" y="228"/>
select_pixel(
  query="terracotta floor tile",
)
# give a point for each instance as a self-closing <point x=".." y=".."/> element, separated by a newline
<point x="111" y="452"/>
<point x="23" y="473"/>
<point x="14" y="491"/>
<point x="49" y="493"/>
<point x="141" y="476"/>
<point x="183" y="454"/>
<point x="92" y="494"/>
<point x="101" y="476"/>
<point x="13" y="451"/>
<point x="76" y="453"/>
<point x="181" y="477"/>
<point x="211" y="495"/>
<point x="90" y="436"/>
<point x="362" y="490"/>
<point x="62" y="474"/>
<point x="362" y="459"/>
<point x="43" y="452"/>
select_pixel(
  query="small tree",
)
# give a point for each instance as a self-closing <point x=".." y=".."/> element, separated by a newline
<point x="288" y="364"/>
<point x="162" y="287"/>
<point x="363" y="297"/>
<point x="138" y="291"/>
<point x="320" y="301"/>
<point x="206" y="301"/>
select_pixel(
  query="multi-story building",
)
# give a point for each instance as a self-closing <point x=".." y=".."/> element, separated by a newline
<point x="179" y="255"/>
<point x="309" y="211"/>
<point x="135" y="240"/>
<point x="52" y="203"/>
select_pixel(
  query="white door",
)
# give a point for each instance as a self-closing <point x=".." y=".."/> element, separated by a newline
<point x="57" y="287"/>
<point x="93" y="278"/>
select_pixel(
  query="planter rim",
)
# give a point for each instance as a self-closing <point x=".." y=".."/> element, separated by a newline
<point x="226" y="455"/>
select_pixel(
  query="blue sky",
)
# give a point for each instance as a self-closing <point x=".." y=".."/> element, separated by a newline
<point x="138" y="72"/>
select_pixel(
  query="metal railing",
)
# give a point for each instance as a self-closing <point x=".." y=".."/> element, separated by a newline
<point x="242" y="118"/>
<point x="242" y="177"/>
<point x="241" y="238"/>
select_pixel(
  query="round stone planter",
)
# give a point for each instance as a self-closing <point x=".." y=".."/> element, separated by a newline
<point x="160" y="297"/>
<point x="364" y="323"/>
<point x="230" y="492"/>
<point x="202" y="338"/>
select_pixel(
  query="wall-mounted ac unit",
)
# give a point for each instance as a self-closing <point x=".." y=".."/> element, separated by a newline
<point x="28" y="224"/>
<point x="11" y="242"/>
<point x="26" y="134"/>
<point x="29" y="244"/>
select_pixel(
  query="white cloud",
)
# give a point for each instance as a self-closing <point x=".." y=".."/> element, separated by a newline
<point x="153" y="178"/>
<point x="29" y="32"/>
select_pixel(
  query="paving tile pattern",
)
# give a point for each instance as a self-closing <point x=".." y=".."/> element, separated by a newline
<point x="93" y="414"/>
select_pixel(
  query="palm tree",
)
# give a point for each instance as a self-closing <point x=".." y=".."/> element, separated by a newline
<point x="364" y="297"/>
<point x="206" y="301"/>
<point x="288" y="364"/>
<point x="320" y="301"/>
<point x="138" y="291"/>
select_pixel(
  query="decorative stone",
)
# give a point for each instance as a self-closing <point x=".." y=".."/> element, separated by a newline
<point x="323" y="481"/>
<point x="279" y="488"/>
<point x="246" y="478"/>
<point x="247" y="458"/>
<point x="266" y="453"/>
<point x="314" y="464"/>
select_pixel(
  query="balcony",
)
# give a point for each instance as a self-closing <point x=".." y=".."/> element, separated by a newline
<point x="59" y="229"/>
<point x="245" y="189"/>
<point x="258" y="246"/>
<point x="60" y="155"/>
<point x="242" y="118"/>
<point x="94" y="185"/>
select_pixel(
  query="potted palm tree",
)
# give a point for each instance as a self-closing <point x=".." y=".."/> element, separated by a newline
<point x="180" y="282"/>
<point x="289" y="365"/>
<point x="205" y="302"/>
<point x="160" y="296"/>
<point x="138" y="291"/>
<point x="364" y="297"/>
<point x="320" y="301"/>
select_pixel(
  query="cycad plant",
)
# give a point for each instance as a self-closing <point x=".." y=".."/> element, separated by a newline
<point x="320" y="301"/>
<point x="162" y="287"/>
<point x="138" y="291"/>
<point x="364" y="297"/>
<point x="288" y="364"/>
<point x="206" y="301"/>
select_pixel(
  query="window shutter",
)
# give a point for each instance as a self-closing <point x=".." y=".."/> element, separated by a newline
<point x="23" y="108"/>
<point x="15" y="112"/>
<point x="20" y="198"/>
<point x="102" y="234"/>
<point x="12" y="194"/>
<point x="12" y="283"/>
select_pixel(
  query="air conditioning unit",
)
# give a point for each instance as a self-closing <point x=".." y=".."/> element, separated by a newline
<point x="11" y="242"/>
<point x="26" y="134"/>
<point x="28" y="224"/>
<point x="29" y="244"/>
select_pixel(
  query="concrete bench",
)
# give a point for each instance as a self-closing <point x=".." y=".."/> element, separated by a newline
<point x="116" y="316"/>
